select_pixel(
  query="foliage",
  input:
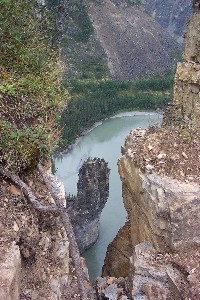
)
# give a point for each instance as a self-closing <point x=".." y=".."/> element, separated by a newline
<point x="92" y="101"/>
<point x="30" y="92"/>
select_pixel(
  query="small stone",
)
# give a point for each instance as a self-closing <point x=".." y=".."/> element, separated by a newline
<point x="161" y="155"/>
<point x="184" y="155"/>
<point x="26" y="253"/>
<point x="149" y="167"/>
<point x="15" y="227"/>
<point x="110" y="280"/>
<point x="111" y="292"/>
<point x="150" y="147"/>
<point x="174" y="157"/>
<point x="14" y="190"/>
<point x="30" y="183"/>
<point x="55" y="287"/>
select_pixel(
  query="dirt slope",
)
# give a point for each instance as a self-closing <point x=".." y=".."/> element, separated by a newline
<point x="171" y="15"/>
<point x="134" y="42"/>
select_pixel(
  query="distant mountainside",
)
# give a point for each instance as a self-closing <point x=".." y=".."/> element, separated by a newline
<point x="135" y="44"/>
<point x="171" y="14"/>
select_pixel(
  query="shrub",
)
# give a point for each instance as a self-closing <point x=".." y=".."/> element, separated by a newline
<point x="30" y="92"/>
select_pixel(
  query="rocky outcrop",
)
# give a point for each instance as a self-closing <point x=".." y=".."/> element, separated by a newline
<point x="171" y="15"/>
<point x="185" y="106"/>
<point x="159" y="170"/>
<point x="34" y="246"/>
<point x="135" y="44"/>
<point x="118" y="255"/>
<point x="111" y="288"/>
<point x="85" y="209"/>
<point x="162" y="276"/>
<point x="10" y="266"/>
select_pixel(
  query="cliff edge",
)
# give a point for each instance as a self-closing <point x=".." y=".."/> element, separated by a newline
<point x="159" y="169"/>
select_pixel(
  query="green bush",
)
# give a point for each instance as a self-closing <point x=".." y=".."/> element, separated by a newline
<point x="30" y="92"/>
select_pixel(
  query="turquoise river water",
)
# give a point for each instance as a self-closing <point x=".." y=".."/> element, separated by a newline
<point x="103" y="141"/>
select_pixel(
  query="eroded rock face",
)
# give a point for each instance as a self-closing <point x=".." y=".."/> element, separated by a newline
<point x="10" y="266"/>
<point x="134" y="43"/>
<point x="34" y="246"/>
<point x="85" y="209"/>
<point x="171" y="15"/>
<point x="159" y="207"/>
<point x="164" y="275"/>
<point x="117" y="260"/>
<point x="185" y="106"/>
<point x="161" y="190"/>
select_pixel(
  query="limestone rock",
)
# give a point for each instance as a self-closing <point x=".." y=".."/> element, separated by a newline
<point x="157" y="276"/>
<point x="85" y="209"/>
<point x="118" y="254"/>
<point x="163" y="206"/>
<point x="185" y="106"/>
<point x="10" y="266"/>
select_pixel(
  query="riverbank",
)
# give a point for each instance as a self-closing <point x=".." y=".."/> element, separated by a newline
<point x="96" y="124"/>
<point x="104" y="141"/>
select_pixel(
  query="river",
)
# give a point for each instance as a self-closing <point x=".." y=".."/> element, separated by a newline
<point x="103" y="141"/>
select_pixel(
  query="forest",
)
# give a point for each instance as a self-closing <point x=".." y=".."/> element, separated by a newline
<point x="92" y="101"/>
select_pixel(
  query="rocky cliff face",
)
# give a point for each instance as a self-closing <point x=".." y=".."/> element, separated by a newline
<point x="135" y="44"/>
<point x="159" y="170"/>
<point x="34" y="249"/>
<point x="120" y="250"/>
<point x="86" y="208"/>
<point x="185" y="107"/>
<point x="171" y="15"/>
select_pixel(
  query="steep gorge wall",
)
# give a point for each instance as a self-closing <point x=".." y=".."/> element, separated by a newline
<point x="135" y="44"/>
<point x="159" y="170"/>
<point x="34" y="249"/>
<point x="171" y="15"/>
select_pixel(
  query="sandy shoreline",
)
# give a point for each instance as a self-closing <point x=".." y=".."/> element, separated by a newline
<point x="120" y="115"/>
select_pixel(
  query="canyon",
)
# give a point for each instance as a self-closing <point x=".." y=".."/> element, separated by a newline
<point x="156" y="254"/>
<point x="159" y="169"/>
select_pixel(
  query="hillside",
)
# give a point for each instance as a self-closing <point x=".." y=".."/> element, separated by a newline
<point x="171" y="15"/>
<point x="135" y="44"/>
<point x="39" y="256"/>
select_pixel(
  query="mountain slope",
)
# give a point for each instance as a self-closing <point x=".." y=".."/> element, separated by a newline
<point x="134" y="42"/>
<point x="171" y="15"/>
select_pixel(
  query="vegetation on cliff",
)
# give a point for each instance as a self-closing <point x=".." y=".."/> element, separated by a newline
<point x="30" y="90"/>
